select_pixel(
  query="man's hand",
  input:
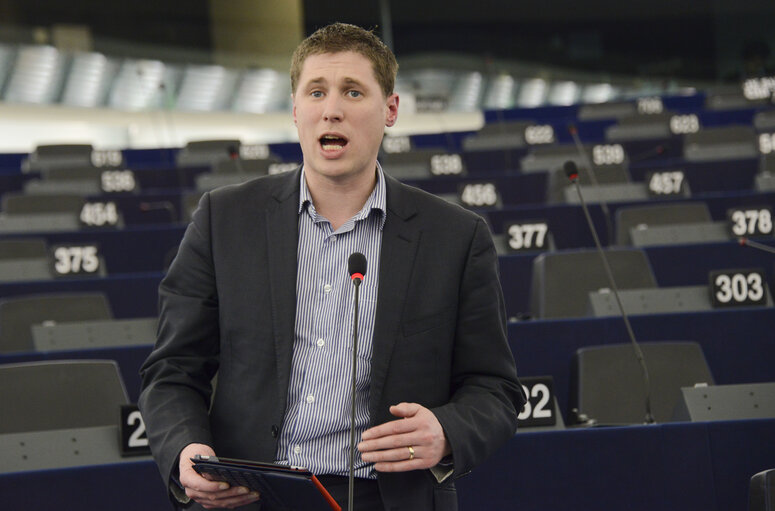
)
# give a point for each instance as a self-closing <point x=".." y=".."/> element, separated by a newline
<point x="388" y="444"/>
<point x="210" y="494"/>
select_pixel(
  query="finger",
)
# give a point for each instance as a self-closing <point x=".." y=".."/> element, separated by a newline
<point x="225" y="498"/>
<point x="212" y="496"/>
<point x="242" y="501"/>
<point x="402" y="466"/>
<point x="405" y="409"/>
<point x="390" y="442"/>
<point x="389" y="428"/>
<point x="238" y="501"/>
<point x="207" y="476"/>
<point x="398" y="454"/>
<point x="191" y="479"/>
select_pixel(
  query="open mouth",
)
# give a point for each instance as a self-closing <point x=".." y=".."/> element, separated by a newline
<point x="332" y="142"/>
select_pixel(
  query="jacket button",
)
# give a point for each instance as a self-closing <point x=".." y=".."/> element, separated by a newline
<point x="275" y="431"/>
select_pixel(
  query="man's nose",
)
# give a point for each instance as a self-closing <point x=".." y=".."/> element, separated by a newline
<point x="332" y="110"/>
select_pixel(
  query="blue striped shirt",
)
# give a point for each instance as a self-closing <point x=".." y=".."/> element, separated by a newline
<point x="316" y="427"/>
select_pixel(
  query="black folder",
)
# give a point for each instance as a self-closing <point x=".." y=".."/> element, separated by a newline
<point x="282" y="488"/>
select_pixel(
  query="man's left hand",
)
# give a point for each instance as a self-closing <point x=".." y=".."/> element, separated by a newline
<point x="388" y="445"/>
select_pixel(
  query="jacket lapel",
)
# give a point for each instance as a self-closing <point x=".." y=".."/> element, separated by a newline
<point x="282" y="240"/>
<point x="400" y="239"/>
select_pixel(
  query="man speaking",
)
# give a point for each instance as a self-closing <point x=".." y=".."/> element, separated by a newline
<point x="259" y="294"/>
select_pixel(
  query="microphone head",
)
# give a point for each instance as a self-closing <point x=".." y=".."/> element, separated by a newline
<point x="571" y="170"/>
<point x="233" y="151"/>
<point x="356" y="265"/>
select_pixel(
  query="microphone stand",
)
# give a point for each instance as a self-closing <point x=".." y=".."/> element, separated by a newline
<point x="351" y="484"/>
<point x="593" y="177"/>
<point x="745" y="242"/>
<point x="638" y="353"/>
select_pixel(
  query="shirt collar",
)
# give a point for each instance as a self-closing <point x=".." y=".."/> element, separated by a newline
<point x="375" y="202"/>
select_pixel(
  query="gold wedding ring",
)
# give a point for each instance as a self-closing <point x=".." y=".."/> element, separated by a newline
<point x="411" y="452"/>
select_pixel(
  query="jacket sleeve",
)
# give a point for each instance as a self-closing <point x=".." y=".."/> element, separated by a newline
<point x="176" y="377"/>
<point x="486" y="394"/>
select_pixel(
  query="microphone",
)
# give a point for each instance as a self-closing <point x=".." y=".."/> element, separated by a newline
<point x="573" y="173"/>
<point x="234" y="156"/>
<point x="162" y="205"/>
<point x="506" y="152"/>
<point x="155" y="126"/>
<point x="745" y="242"/>
<point x="168" y="99"/>
<point x="657" y="150"/>
<point x="593" y="177"/>
<point x="356" y="267"/>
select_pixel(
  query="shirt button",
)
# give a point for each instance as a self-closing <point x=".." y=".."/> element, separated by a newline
<point x="327" y="288"/>
<point x="321" y="343"/>
<point x="296" y="449"/>
<point x="310" y="399"/>
<point x="333" y="238"/>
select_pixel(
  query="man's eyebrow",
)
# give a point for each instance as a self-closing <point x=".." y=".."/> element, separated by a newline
<point x="352" y="81"/>
<point x="315" y="81"/>
<point x="320" y="81"/>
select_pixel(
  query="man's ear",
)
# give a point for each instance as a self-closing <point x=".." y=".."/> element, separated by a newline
<point x="391" y="115"/>
<point x="293" y="102"/>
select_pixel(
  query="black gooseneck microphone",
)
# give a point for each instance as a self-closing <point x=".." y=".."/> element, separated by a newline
<point x="356" y="267"/>
<point x="572" y="172"/>
<point x="609" y="224"/>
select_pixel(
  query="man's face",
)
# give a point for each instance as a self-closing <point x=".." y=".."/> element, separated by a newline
<point x="341" y="112"/>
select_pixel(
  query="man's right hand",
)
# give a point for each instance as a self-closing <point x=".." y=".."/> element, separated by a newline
<point x="208" y="493"/>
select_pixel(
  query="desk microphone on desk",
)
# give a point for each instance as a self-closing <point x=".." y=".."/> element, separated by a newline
<point x="572" y="172"/>
<point x="356" y="267"/>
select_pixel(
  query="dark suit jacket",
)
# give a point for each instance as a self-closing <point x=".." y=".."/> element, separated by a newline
<point x="228" y="305"/>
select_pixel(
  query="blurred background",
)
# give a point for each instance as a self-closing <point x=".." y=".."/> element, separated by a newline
<point x="116" y="117"/>
<point x="179" y="59"/>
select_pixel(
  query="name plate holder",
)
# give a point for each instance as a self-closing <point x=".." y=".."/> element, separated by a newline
<point x="541" y="409"/>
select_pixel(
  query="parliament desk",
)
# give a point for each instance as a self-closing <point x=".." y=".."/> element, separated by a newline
<point x="678" y="466"/>
<point x="737" y="343"/>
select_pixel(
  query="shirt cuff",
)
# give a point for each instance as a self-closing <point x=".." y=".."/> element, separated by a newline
<point x="443" y="470"/>
<point x="178" y="492"/>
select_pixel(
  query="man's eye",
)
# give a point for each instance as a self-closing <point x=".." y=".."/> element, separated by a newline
<point x="354" y="93"/>
<point x="316" y="94"/>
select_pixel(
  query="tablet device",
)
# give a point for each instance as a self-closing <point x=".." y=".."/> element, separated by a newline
<point x="281" y="487"/>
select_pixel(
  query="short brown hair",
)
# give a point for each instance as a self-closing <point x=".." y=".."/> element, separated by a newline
<point x="341" y="37"/>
